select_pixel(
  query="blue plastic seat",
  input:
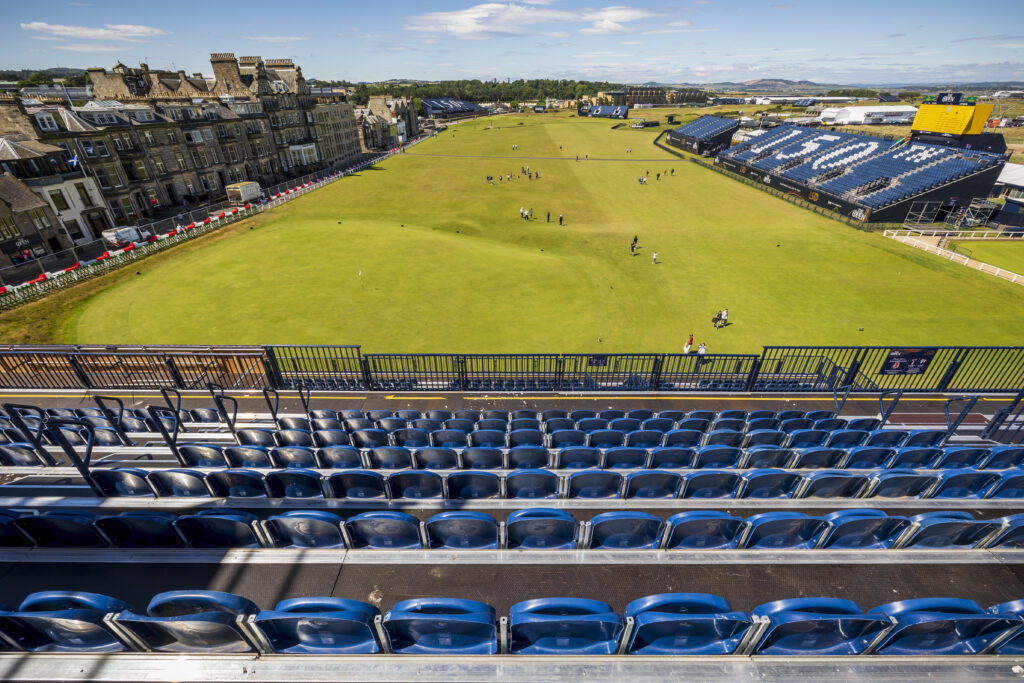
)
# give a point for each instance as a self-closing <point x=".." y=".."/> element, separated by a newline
<point x="796" y="424"/>
<point x="304" y="529"/>
<point x="625" y="529"/>
<point x="10" y="535"/>
<point x="523" y="423"/>
<point x="594" y="484"/>
<point x="704" y="530"/>
<point x="187" y="483"/>
<point x="487" y="438"/>
<point x="625" y="457"/>
<point x="720" y="457"/>
<point x="711" y="484"/>
<point x="817" y="626"/>
<point x="652" y="484"/>
<point x="477" y="458"/>
<point x="624" y="424"/>
<point x="461" y="529"/>
<point x="693" y="424"/>
<point x="61" y="529"/>
<point x="331" y="437"/>
<point x="495" y="414"/>
<point x="913" y="456"/>
<point x="351" y="414"/>
<point x="962" y="457"/>
<point x="416" y="484"/>
<point x="558" y="424"/>
<point x="867" y="424"/>
<point x="890" y="438"/>
<point x="768" y="456"/>
<point x="764" y="437"/>
<point x="819" y="457"/>
<point x="773" y="530"/>
<point x="1012" y="533"/>
<point x="435" y="459"/>
<point x="723" y="437"/>
<point x="140" y="529"/>
<point x="203" y="455"/>
<point x="1011" y="485"/>
<point x="570" y="626"/>
<point x="770" y="483"/>
<point x="492" y="425"/>
<point x="294" y="483"/>
<point x="864" y="528"/>
<point x="442" y="626"/>
<point x="815" y="415"/>
<point x="606" y="438"/>
<point x="438" y="414"/>
<point x="683" y="438"/>
<point x="242" y="457"/>
<point x="293" y="456"/>
<point x="18" y="454"/>
<point x="293" y="437"/>
<point x="644" y="438"/>
<point x="427" y="425"/>
<point x="384" y="529"/>
<point x="541" y="528"/>
<point x="925" y="438"/>
<point x="191" y="621"/>
<point x="901" y="482"/>
<point x="965" y="483"/>
<point x="369" y="438"/>
<point x="949" y="529"/>
<point x="390" y="458"/>
<point x="526" y="437"/>
<point x="730" y="424"/>
<point x="701" y="415"/>
<point x="807" y="438"/>
<point x="846" y="438"/>
<point x="379" y="414"/>
<point x="411" y="437"/>
<point x="330" y="626"/>
<point x="578" y="458"/>
<point x="357" y="484"/>
<point x="1005" y="457"/>
<point x="531" y="483"/>
<point x="685" y="624"/>
<point x="123" y="481"/>
<point x="834" y="484"/>
<point x="941" y="626"/>
<point x="658" y="424"/>
<point x="460" y="425"/>
<point x="63" y="621"/>
<point x="784" y="415"/>
<point x="236" y="484"/>
<point x="579" y="414"/>
<point x="527" y="457"/>
<point x="473" y="485"/>
<point x="255" y="437"/>
<point x="326" y="424"/>
<point x="869" y="457"/>
<point x="671" y="457"/>
<point x="759" y="423"/>
<point x="591" y="424"/>
<point x="219" y="528"/>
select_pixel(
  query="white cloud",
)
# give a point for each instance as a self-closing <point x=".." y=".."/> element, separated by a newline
<point x="631" y="42"/>
<point x="274" y="39"/>
<point x="1011" y="46"/>
<point x="131" y="33"/>
<point x="86" y="47"/>
<point x="519" y="17"/>
<point x="611" y="20"/>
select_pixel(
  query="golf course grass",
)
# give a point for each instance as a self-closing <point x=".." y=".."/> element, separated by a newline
<point x="423" y="254"/>
<point x="1008" y="255"/>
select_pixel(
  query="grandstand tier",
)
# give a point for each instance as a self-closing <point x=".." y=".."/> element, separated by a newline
<point x="704" y="135"/>
<point x="447" y="108"/>
<point x="866" y="178"/>
<point x="604" y="111"/>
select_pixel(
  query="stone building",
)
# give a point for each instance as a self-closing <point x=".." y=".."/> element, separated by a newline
<point x="376" y="133"/>
<point x="400" y="110"/>
<point x="28" y="228"/>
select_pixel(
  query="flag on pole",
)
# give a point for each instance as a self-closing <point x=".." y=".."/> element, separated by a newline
<point x="73" y="161"/>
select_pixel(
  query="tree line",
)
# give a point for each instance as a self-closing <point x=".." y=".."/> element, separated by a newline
<point x="478" y="91"/>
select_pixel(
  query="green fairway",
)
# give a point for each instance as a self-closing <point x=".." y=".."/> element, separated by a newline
<point x="1008" y="255"/>
<point x="448" y="265"/>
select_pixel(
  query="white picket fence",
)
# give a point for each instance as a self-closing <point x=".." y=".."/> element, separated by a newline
<point x="912" y="238"/>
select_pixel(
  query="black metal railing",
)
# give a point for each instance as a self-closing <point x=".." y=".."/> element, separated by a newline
<point x="778" y="369"/>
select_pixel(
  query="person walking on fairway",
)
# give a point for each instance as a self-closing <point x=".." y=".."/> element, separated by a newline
<point x="559" y="219"/>
<point x="636" y="240"/>
<point x="654" y="258"/>
<point x="689" y="344"/>
<point x="725" y="317"/>
<point x="549" y="216"/>
<point x="632" y="249"/>
<point x="701" y="350"/>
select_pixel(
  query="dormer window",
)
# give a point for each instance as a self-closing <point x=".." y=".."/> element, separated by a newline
<point x="46" y="122"/>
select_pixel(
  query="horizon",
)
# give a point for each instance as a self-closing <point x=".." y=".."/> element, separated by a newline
<point x="690" y="42"/>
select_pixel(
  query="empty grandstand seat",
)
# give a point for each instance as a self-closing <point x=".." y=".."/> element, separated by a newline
<point x="140" y="529"/>
<point x="425" y="425"/>
<point x="351" y="414"/>
<point x="294" y="483"/>
<point x="683" y="438"/>
<point x="411" y="438"/>
<point x="964" y="483"/>
<point x="464" y="426"/>
<point x="255" y="437"/>
<point x="123" y="481"/>
<point x="1015" y="644"/>
<point x="10" y="535"/>
<point x="697" y="424"/>
<point x="718" y="457"/>
<point x="62" y="529"/>
<point x="817" y="626"/>
<point x="606" y="438"/>
<point x="304" y="529"/>
<point x="527" y="457"/>
<point x="768" y="456"/>
<point x="473" y="485"/>
<point x="391" y="424"/>
<point x="571" y="626"/>
<point x="762" y="422"/>
<point x="331" y="437"/>
<point x="338" y="457"/>
<point x="493" y="425"/>
<point x="248" y="457"/>
<point x="925" y="438"/>
<point x="915" y="456"/>
<point x="293" y="456"/>
<point x="834" y="484"/>
<point x="320" y="626"/>
<point x="495" y="414"/>
<point x="783" y="529"/>
<point x="865" y="528"/>
<point x="819" y="457"/>
<point x="531" y="483"/>
<point x="710" y="484"/>
<point x="591" y="424"/>
<point x="1011" y="534"/>
<point x="557" y="424"/>
<point x="948" y="529"/>
<point x="369" y="438"/>
<point x="1005" y="457"/>
<point x="188" y="483"/>
<point x="566" y="438"/>
<point x="658" y="424"/>
<point x="387" y="529"/>
<point x="191" y="621"/>
<point x="390" y="458"/>
<point x="652" y="484"/>
<point x="901" y="482"/>
<point x="326" y="425"/>
<point x="764" y="437"/>
<point x="807" y="438"/>
<point x="867" y="424"/>
<point x="644" y="438"/>
<point x="220" y="528"/>
<point x="723" y="437"/>
<point x="941" y="626"/>
<point x="541" y="528"/>
<point x="442" y="626"/>
<point x="846" y="438"/>
<point x="578" y="458"/>
<point x="63" y="621"/>
<point x="770" y="483"/>
<point x="625" y="529"/>
<point x="891" y="438"/>
<point x="18" y="455"/>
<point x="435" y="459"/>
<point x="704" y="530"/>
<point x="493" y="438"/>
<point x="357" y="484"/>
<point x="671" y="457"/>
<point x="594" y="484"/>
<point x="625" y="457"/>
<point x="461" y="529"/>
<point x="203" y="455"/>
<point x="685" y="624"/>
<point x="962" y="456"/>
<point x="869" y="457"/>
<point x="236" y="484"/>
<point x="416" y="484"/>
<point x="480" y="458"/>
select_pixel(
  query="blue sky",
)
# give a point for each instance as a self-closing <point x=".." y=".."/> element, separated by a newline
<point x="865" y="41"/>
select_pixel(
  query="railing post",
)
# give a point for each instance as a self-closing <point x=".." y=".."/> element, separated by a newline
<point x="79" y="371"/>
<point x="655" y="380"/>
<point x="755" y="370"/>
<point x="851" y="373"/>
<point x="175" y="375"/>
<point x="367" y="376"/>
<point x="951" y="370"/>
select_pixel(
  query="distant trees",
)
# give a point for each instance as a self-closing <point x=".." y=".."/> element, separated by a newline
<point x="908" y="95"/>
<point x="852" y="92"/>
<point x="484" y="91"/>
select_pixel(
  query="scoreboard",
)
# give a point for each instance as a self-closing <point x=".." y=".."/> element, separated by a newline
<point x="950" y="116"/>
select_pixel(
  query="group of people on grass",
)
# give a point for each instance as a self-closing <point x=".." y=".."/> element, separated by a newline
<point x="527" y="215"/>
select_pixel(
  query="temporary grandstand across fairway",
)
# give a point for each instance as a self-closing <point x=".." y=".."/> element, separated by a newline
<point x="447" y="108"/>
<point x="704" y="135"/>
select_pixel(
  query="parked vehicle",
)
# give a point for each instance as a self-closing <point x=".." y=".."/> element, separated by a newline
<point x="240" y="194"/>
<point x="122" y="237"/>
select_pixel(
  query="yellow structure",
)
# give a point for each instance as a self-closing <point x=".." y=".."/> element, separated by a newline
<point x="952" y="119"/>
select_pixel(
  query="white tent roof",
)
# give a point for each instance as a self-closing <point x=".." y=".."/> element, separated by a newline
<point x="1012" y="174"/>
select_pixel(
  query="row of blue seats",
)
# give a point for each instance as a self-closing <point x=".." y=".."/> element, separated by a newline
<point x="706" y="127"/>
<point x="798" y="149"/>
<point x="545" y="483"/>
<point x="953" y="168"/>
<point x="537" y="528"/>
<point x="914" y="157"/>
<point x="835" y="160"/>
<point x="664" y="624"/>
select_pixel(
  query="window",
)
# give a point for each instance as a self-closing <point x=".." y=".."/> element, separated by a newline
<point x="150" y="140"/>
<point x="83" y="194"/>
<point x="101" y="147"/>
<point x="58" y="199"/>
<point x="208" y="133"/>
<point x="214" y="155"/>
<point x="115" y="209"/>
<point x="8" y="229"/>
<point x="153" y="199"/>
<point x="190" y="186"/>
<point x="140" y="169"/>
<point x="39" y="219"/>
<point x="117" y="143"/>
<point x="102" y="177"/>
<point x="172" y="138"/>
<point x="88" y="149"/>
<point x="46" y="121"/>
<point x="158" y="162"/>
<point x="73" y="230"/>
<point x="126" y="206"/>
<point x="199" y="158"/>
